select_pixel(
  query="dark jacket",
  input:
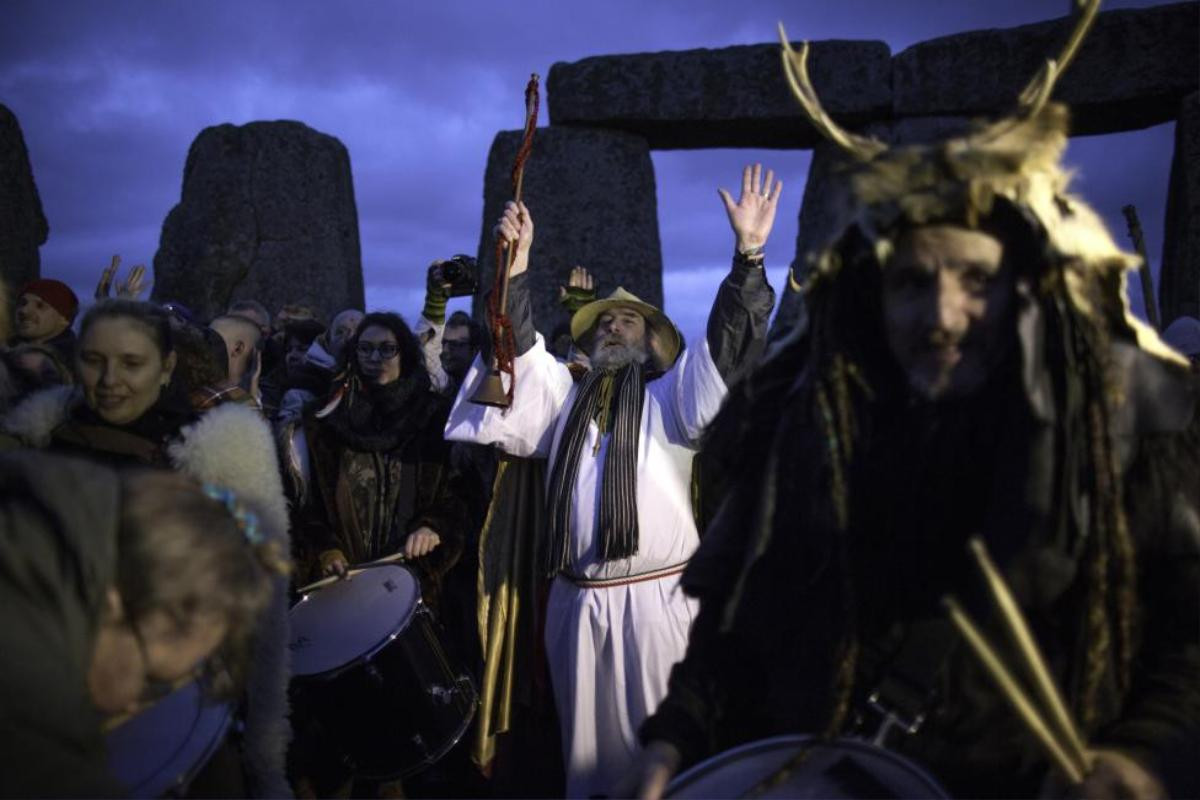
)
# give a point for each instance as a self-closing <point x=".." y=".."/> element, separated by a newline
<point x="58" y="523"/>
<point x="379" y="471"/>
<point x="924" y="481"/>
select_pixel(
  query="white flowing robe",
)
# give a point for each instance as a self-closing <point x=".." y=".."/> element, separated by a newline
<point x="610" y="649"/>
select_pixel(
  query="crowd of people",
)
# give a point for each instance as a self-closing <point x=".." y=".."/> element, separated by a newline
<point x="655" y="551"/>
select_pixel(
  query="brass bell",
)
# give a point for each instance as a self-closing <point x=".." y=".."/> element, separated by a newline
<point x="491" y="391"/>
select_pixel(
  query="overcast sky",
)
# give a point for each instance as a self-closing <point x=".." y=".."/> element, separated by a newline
<point x="111" y="94"/>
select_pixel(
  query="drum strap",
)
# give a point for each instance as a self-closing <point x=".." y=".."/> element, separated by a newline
<point x="902" y="698"/>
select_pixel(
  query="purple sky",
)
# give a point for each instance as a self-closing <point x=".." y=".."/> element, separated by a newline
<point x="110" y="95"/>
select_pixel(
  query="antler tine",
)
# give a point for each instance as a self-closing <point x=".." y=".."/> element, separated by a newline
<point x="1037" y="93"/>
<point x="795" y="69"/>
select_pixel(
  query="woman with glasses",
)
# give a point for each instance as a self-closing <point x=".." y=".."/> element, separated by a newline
<point x="379" y="483"/>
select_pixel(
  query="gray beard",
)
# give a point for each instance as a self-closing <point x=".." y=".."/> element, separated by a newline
<point x="614" y="357"/>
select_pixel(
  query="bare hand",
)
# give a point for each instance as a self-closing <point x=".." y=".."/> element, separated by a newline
<point x="1115" y="775"/>
<point x="256" y="376"/>
<point x="579" y="278"/>
<point x="104" y="285"/>
<point x="753" y="215"/>
<point x="516" y="227"/>
<point x="420" y="542"/>
<point x="334" y="563"/>
<point x="132" y="286"/>
<point x="651" y="772"/>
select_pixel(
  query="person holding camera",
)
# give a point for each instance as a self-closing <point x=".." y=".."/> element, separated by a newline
<point x="448" y="347"/>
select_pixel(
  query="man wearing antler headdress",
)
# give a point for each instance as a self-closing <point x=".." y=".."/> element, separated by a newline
<point x="969" y="368"/>
<point x="620" y="442"/>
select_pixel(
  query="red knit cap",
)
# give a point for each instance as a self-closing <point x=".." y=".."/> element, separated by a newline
<point x="56" y="294"/>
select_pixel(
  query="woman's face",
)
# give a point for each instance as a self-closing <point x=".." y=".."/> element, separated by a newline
<point x="121" y="369"/>
<point x="378" y="355"/>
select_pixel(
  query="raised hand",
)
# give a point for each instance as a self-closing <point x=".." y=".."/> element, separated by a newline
<point x="579" y="291"/>
<point x="516" y="228"/>
<point x="753" y="215"/>
<point x="104" y="285"/>
<point x="132" y="286"/>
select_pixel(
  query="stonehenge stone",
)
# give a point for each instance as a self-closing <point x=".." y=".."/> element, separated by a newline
<point x="23" y="227"/>
<point x="267" y="213"/>
<point x="1179" y="281"/>
<point x="1131" y="71"/>
<point x="731" y="97"/>
<point x="592" y="197"/>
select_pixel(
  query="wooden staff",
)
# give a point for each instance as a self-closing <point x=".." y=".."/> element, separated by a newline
<point x="1147" y="280"/>
<point x="491" y="391"/>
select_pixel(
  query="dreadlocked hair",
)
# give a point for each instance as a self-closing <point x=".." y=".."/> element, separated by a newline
<point x="1110" y="566"/>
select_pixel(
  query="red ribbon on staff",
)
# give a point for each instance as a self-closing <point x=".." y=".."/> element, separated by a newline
<point x="504" y="346"/>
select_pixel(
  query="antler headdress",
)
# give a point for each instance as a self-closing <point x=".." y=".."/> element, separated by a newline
<point x="1017" y="158"/>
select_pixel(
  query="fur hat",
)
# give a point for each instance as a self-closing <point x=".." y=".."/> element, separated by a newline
<point x="56" y="294"/>
<point x="961" y="179"/>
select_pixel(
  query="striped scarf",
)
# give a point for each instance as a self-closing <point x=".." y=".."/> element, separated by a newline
<point x="613" y="398"/>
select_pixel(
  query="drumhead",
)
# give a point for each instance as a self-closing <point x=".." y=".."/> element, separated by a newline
<point x="844" y="769"/>
<point x="349" y="620"/>
<point x="162" y="748"/>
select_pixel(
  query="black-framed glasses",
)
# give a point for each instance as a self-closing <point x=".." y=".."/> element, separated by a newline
<point x="386" y="350"/>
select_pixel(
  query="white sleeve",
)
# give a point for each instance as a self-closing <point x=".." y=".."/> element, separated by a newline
<point x="526" y="428"/>
<point x="429" y="334"/>
<point x="695" y="391"/>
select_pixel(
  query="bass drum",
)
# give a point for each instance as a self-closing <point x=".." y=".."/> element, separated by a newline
<point x="159" y="750"/>
<point x="844" y="769"/>
<point x="372" y="678"/>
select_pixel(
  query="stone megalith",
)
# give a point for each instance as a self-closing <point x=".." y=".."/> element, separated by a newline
<point x="1179" y="283"/>
<point x="1131" y="71"/>
<point x="267" y="213"/>
<point x="732" y="97"/>
<point x="593" y="200"/>
<point x="23" y="227"/>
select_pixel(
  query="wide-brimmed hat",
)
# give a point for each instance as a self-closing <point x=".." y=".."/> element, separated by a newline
<point x="666" y="341"/>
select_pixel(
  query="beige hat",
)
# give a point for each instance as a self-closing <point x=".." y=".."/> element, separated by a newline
<point x="665" y="340"/>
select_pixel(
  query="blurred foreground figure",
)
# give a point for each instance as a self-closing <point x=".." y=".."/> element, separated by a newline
<point x="111" y="584"/>
<point x="970" y="368"/>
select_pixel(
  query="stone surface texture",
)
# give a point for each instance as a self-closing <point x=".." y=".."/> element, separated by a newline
<point x="1179" y="281"/>
<point x="1131" y="71"/>
<point x="267" y="213"/>
<point x="592" y="197"/>
<point x="732" y="97"/>
<point x="23" y="227"/>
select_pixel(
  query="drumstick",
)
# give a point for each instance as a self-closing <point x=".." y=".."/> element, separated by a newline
<point x="363" y="567"/>
<point x="1018" y="629"/>
<point x="1013" y="692"/>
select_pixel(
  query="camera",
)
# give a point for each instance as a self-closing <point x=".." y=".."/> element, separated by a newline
<point x="462" y="273"/>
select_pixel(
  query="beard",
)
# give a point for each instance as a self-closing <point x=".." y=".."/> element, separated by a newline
<point x="613" y="354"/>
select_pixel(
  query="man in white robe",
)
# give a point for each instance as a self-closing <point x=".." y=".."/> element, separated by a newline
<point x="616" y="622"/>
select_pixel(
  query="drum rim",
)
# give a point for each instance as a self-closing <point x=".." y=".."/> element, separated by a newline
<point x="376" y="648"/>
<point x="181" y="781"/>
<point x="700" y="769"/>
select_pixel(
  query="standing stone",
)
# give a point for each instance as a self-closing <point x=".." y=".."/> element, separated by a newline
<point x="23" y="226"/>
<point x="267" y="213"/>
<point x="593" y="201"/>
<point x="1179" y="283"/>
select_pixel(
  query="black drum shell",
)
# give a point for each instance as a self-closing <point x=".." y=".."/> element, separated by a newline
<point x="392" y="713"/>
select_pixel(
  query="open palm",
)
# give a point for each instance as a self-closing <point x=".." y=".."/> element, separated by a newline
<point x="753" y="215"/>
